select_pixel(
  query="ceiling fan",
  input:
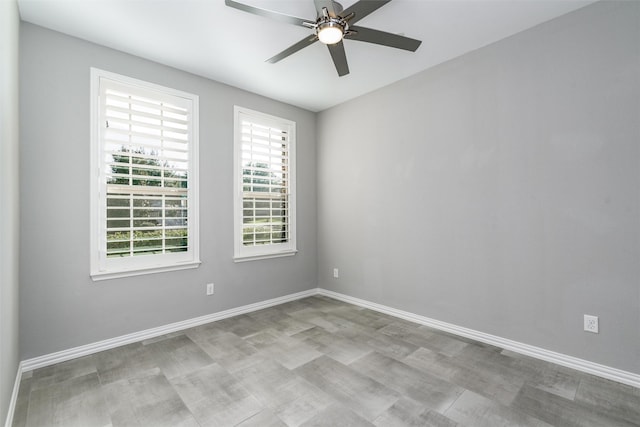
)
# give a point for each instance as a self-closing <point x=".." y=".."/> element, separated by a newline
<point x="332" y="25"/>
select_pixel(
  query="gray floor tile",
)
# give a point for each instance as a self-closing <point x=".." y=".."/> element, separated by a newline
<point x="488" y="373"/>
<point x="288" y="351"/>
<point x="499" y="386"/>
<point x="364" y="317"/>
<point x="215" y="397"/>
<point x="465" y="339"/>
<point x="124" y="362"/>
<point x="178" y="355"/>
<point x="326" y="304"/>
<point x="423" y="388"/>
<point x="337" y="416"/>
<point x="146" y="400"/>
<point x="226" y="348"/>
<point x="297" y="305"/>
<point x="443" y="343"/>
<point x="528" y="363"/>
<point x="611" y="398"/>
<point x="207" y="332"/>
<point x="409" y="332"/>
<point x="280" y="321"/>
<point x="301" y="401"/>
<point x="63" y="371"/>
<point x="435" y="364"/>
<point x="317" y="303"/>
<point x="556" y="380"/>
<point x="490" y="359"/>
<point x="563" y="412"/>
<point x="488" y="380"/>
<point x="384" y="344"/>
<point x="335" y="345"/>
<point x="264" y="418"/>
<point x="406" y="413"/>
<point x="269" y="315"/>
<point x="78" y="401"/>
<point x="264" y="339"/>
<point x="316" y="317"/>
<point x="263" y="378"/>
<point x="474" y="410"/>
<point x="291" y="326"/>
<point x="293" y="399"/>
<point x="344" y="324"/>
<point x="243" y="325"/>
<point x="363" y="395"/>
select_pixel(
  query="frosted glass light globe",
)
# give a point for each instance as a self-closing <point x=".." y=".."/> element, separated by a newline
<point x="330" y="33"/>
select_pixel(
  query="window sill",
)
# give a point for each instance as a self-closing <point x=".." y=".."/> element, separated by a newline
<point x="141" y="271"/>
<point x="264" y="256"/>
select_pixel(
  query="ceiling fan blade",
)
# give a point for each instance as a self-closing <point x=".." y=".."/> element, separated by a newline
<point x="369" y="35"/>
<point x="276" y="16"/>
<point x="339" y="58"/>
<point x="363" y="8"/>
<point x="293" y="49"/>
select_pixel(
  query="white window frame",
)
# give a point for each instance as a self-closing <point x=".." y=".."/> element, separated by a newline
<point x="273" y="250"/>
<point x="101" y="266"/>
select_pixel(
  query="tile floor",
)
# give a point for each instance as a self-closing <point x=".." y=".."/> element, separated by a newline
<point x="317" y="362"/>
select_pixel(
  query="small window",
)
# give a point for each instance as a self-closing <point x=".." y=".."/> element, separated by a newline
<point x="144" y="177"/>
<point x="264" y="183"/>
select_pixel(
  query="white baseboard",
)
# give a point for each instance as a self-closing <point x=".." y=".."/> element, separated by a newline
<point x="614" y="374"/>
<point x="582" y="365"/>
<point x="14" y="397"/>
<point x="85" y="350"/>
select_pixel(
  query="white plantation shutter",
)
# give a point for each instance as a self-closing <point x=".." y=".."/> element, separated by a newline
<point x="147" y="180"/>
<point x="265" y="185"/>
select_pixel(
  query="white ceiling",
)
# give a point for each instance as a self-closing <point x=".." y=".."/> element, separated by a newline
<point x="209" y="39"/>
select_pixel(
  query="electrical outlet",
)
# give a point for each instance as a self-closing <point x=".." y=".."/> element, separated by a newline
<point x="209" y="288"/>
<point x="591" y="323"/>
<point x="335" y="273"/>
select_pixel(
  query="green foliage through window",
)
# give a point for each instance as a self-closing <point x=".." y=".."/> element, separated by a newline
<point x="149" y="221"/>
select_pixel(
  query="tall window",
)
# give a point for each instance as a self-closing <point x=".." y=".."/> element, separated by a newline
<point x="264" y="181"/>
<point x="144" y="177"/>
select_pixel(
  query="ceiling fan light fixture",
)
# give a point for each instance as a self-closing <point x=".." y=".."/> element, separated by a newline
<point x="330" y="32"/>
<point x="332" y="24"/>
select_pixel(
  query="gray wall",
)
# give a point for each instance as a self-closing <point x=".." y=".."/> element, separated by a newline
<point x="499" y="191"/>
<point x="9" y="217"/>
<point x="61" y="306"/>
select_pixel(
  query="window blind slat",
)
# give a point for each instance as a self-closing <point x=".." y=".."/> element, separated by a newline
<point x="134" y="133"/>
<point x="160" y="116"/>
<point x="140" y="103"/>
<point x="144" y="190"/>
<point x="173" y="173"/>
<point x="149" y="141"/>
<point x="138" y="123"/>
